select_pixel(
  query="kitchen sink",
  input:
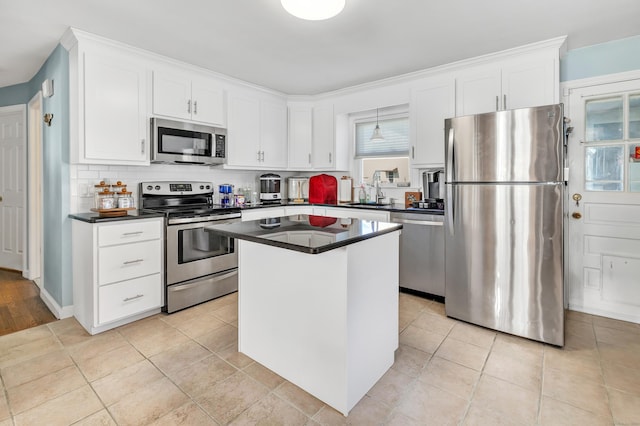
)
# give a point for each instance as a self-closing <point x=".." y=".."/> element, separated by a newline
<point x="369" y="204"/>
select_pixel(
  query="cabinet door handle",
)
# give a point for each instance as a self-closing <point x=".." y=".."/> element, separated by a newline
<point x="128" y="234"/>
<point x="262" y="156"/>
<point x="413" y="152"/>
<point x="330" y="159"/>
<point x="137" y="296"/>
<point x="309" y="158"/>
<point x="131" y="262"/>
<point x="497" y="100"/>
<point x="142" y="146"/>
<point x="195" y="107"/>
<point x="189" y="106"/>
<point x="504" y="101"/>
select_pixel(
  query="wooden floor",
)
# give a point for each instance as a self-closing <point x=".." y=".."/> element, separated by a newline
<point x="20" y="303"/>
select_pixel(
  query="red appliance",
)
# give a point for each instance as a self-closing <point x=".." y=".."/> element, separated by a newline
<point x="323" y="189"/>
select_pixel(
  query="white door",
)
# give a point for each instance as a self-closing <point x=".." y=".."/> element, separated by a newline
<point x="603" y="200"/>
<point x="12" y="186"/>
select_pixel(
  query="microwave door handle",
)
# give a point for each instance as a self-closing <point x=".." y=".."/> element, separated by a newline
<point x="188" y="162"/>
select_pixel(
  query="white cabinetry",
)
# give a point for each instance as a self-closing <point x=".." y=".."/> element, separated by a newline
<point x="300" y="137"/>
<point x="323" y="137"/>
<point x="262" y="213"/>
<point x="107" y="104"/>
<point x="188" y="97"/>
<point x="117" y="272"/>
<point x="312" y="138"/>
<point x="257" y="132"/>
<point x="352" y="213"/>
<point x="522" y="81"/>
<point x="432" y="101"/>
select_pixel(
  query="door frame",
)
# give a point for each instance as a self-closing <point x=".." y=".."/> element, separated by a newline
<point x="34" y="260"/>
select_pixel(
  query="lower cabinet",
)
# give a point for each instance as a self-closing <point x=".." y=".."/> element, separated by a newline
<point x="263" y="213"/>
<point x="117" y="272"/>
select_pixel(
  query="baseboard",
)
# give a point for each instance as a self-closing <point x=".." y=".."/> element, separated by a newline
<point x="57" y="310"/>
<point x="604" y="313"/>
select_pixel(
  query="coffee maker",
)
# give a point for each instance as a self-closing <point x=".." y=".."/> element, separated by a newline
<point x="433" y="189"/>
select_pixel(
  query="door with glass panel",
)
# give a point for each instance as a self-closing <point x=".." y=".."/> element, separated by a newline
<point x="603" y="200"/>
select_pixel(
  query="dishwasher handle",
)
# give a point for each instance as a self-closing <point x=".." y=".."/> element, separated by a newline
<point x="417" y="222"/>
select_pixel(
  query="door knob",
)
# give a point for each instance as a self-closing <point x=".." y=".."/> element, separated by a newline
<point x="576" y="215"/>
<point x="577" y="197"/>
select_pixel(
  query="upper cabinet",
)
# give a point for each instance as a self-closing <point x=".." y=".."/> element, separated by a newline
<point x="432" y="101"/>
<point x="188" y="97"/>
<point x="323" y="137"/>
<point x="257" y="132"/>
<point x="525" y="80"/>
<point x="312" y="137"/>
<point x="300" y="137"/>
<point x="108" y="94"/>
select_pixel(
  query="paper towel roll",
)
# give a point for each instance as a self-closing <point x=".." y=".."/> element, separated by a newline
<point x="344" y="191"/>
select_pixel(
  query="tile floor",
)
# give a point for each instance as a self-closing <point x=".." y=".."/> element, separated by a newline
<point x="185" y="369"/>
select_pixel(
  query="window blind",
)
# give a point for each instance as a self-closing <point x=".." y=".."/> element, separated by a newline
<point x="396" y="138"/>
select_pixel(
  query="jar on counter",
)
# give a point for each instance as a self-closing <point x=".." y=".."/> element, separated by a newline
<point x="105" y="199"/>
<point x="125" y="199"/>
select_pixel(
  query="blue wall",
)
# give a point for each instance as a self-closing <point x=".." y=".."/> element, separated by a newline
<point x="14" y="95"/>
<point x="601" y="59"/>
<point x="57" y="276"/>
<point x="55" y="142"/>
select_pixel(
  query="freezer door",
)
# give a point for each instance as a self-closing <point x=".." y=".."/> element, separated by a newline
<point x="503" y="258"/>
<point x="521" y="145"/>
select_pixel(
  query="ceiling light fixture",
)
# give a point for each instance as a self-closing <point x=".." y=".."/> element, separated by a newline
<point x="377" y="134"/>
<point x="313" y="10"/>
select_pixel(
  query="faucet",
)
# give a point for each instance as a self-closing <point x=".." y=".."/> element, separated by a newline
<point x="379" y="193"/>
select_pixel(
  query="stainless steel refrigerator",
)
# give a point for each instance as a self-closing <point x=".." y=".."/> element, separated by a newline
<point x="504" y="221"/>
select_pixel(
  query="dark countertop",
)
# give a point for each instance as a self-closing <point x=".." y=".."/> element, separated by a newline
<point x="91" y="217"/>
<point x="371" y="206"/>
<point x="311" y="234"/>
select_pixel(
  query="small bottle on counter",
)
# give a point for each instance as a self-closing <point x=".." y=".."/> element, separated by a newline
<point x="362" y="195"/>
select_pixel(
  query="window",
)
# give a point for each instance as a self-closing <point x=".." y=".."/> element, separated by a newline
<point x="612" y="130"/>
<point x="386" y="160"/>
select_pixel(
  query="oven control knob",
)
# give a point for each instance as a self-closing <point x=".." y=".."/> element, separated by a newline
<point x="201" y="186"/>
<point x="149" y="187"/>
<point x="157" y="187"/>
<point x="208" y="186"/>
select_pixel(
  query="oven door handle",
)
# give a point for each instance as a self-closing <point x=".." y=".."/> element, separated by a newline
<point x="190" y="223"/>
<point x="198" y="281"/>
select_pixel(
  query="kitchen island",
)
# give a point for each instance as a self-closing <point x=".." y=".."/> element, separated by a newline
<point x="318" y="301"/>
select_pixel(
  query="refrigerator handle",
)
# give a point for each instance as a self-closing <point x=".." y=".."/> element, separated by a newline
<point x="450" y="208"/>
<point x="450" y="160"/>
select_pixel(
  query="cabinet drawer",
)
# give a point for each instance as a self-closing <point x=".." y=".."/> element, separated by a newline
<point x="120" y="300"/>
<point x="124" y="262"/>
<point x="130" y="232"/>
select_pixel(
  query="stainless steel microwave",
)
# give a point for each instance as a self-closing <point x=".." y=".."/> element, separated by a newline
<point x="187" y="143"/>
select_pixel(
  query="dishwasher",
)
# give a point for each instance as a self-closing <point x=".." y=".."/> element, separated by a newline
<point x="421" y="252"/>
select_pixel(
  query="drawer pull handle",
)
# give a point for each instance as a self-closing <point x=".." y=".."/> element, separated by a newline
<point x="128" y="234"/>
<point x="137" y="296"/>
<point x="130" y="262"/>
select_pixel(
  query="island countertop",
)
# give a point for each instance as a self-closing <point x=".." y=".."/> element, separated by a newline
<point x="305" y="233"/>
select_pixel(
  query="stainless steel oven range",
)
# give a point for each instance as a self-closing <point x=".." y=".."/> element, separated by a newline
<point x="199" y="265"/>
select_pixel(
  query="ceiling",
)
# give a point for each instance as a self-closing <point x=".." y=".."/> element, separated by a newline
<point x="257" y="41"/>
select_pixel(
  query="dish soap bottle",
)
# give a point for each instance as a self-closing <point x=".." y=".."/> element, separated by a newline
<point x="362" y="195"/>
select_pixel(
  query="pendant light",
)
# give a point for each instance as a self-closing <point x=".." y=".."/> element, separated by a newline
<point x="313" y="10"/>
<point x="377" y="134"/>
